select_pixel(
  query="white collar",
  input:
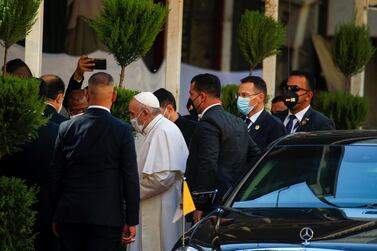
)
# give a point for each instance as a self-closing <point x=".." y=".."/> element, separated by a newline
<point x="151" y="124"/>
<point x="300" y="114"/>
<point x="47" y="103"/>
<point x="202" y="114"/>
<point x="255" y="116"/>
<point x="99" y="107"/>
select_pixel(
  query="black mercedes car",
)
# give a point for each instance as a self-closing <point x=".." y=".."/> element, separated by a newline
<point x="309" y="191"/>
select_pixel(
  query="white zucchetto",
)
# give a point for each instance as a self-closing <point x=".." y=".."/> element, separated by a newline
<point x="148" y="99"/>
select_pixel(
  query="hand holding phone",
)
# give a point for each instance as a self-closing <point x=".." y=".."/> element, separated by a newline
<point x="99" y="64"/>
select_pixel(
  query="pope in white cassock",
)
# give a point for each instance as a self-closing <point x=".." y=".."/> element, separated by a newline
<point x="161" y="156"/>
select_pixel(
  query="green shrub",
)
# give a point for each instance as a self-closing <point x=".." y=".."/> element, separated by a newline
<point x="16" y="215"/>
<point x="20" y="112"/>
<point x="229" y="99"/>
<point x="351" y="49"/>
<point x="346" y="110"/>
<point x="120" y="106"/>
<point x="259" y="36"/>
<point x="128" y="28"/>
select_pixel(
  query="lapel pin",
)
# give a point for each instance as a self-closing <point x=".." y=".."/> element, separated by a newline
<point x="257" y="127"/>
<point x="304" y="121"/>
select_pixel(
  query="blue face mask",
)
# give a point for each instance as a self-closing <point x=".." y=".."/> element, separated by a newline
<point x="243" y="105"/>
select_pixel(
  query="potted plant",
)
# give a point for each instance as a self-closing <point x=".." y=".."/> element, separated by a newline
<point x="16" y="215"/>
<point x="16" y="19"/>
<point x="229" y="99"/>
<point x="20" y="112"/>
<point x="346" y="110"/>
<point x="259" y="36"/>
<point x="351" y="50"/>
<point x="128" y="28"/>
<point x="120" y="107"/>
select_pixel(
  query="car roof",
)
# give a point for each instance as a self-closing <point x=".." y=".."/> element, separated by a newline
<point x="339" y="137"/>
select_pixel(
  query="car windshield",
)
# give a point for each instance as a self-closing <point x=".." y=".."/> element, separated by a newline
<point x="312" y="176"/>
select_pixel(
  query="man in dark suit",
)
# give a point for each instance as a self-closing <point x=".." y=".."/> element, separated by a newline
<point x="169" y="110"/>
<point x="93" y="172"/>
<point x="263" y="127"/>
<point x="35" y="161"/>
<point x="221" y="149"/>
<point x="52" y="88"/>
<point x="300" y="117"/>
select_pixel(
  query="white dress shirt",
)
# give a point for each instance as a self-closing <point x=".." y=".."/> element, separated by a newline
<point x="299" y="116"/>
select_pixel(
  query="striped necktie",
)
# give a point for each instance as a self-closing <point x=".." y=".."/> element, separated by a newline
<point x="290" y="123"/>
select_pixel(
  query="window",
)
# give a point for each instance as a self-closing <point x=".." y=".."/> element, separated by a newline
<point x="312" y="176"/>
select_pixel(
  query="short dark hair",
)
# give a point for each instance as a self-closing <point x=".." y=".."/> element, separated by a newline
<point x="52" y="87"/>
<point x="13" y="67"/>
<point x="308" y="76"/>
<point x="165" y="98"/>
<point x="207" y="83"/>
<point x="258" y="82"/>
<point x="278" y="98"/>
<point x="101" y="78"/>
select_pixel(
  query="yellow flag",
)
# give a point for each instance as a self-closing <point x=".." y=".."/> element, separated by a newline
<point x="188" y="203"/>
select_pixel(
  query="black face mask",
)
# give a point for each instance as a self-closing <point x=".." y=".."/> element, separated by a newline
<point x="191" y="108"/>
<point x="290" y="99"/>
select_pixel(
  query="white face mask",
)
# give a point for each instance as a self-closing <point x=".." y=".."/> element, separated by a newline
<point x="138" y="128"/>
<point x="76" y="115"/>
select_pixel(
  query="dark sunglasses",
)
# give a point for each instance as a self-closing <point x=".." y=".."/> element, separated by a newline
<point x="293" y="88"/>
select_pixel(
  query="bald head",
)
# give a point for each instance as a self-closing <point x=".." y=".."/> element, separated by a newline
<point x="53" y="86"/>
<point x="52" y="89"/>
<point x="101" y="89"/>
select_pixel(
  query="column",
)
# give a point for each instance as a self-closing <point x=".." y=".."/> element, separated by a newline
<point x="226" y="50"/>
<point x="173" y="47"/>
<point x="361" y="18"/>
<point x="34" y="44"/>
<point x="269" y="64"/>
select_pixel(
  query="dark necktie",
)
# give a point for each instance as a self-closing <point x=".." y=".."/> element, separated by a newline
<point x="248" y="122"/>
<point x="290" y="123"/>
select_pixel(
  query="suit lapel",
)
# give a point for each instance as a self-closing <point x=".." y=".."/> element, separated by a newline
<point x="305" y="122"/>
<point x="259" y="123"/>
<point x="49" y="110"/>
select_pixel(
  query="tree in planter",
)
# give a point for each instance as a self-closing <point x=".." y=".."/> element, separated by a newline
<point x="128" y="28"/>
<point x="120" y="107"/>
<point x="351" y="50"/>
<point x="347" y="111"/>
<point x="259" y="36"/>
<point x="16" y="19"/>
<point x="229" y="99"/>
<point x="16" y="215"/>
<point x="20" y="112"/>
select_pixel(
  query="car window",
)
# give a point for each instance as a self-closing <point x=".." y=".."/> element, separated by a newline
<point x="312" y="176"/>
